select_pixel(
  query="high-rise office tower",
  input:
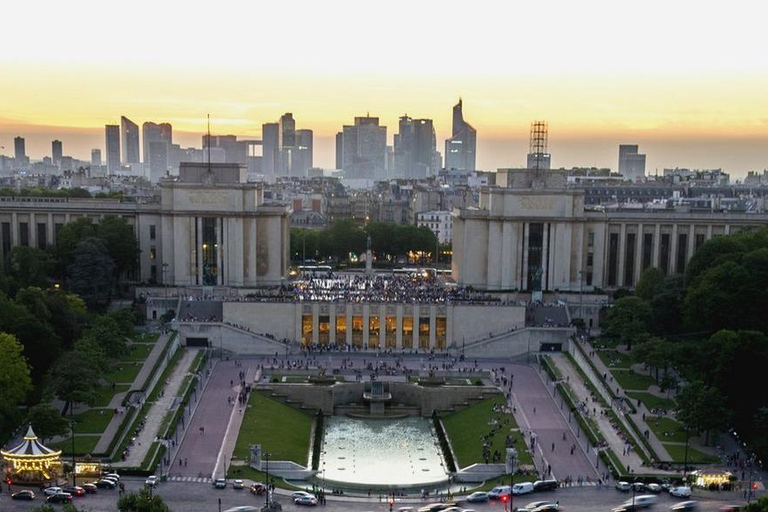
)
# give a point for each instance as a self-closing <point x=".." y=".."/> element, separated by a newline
<point x="56" y="152"/>
<point x="270" y="148"/>
<point x="460" y="149"/>
<point x="302" y="153"/>
<point x="157" y="142"/>
<point x="287" y="144"/>
<point x="235" y="151"/>
<point x="96" y="157"/>
<point x="364" y="153"/>
<point x="20" y="150"/>
<point x="112" y="135"/>
<point x="631" y="163"/>
<point x="339" y="149"/>
<point x="415" y="148"/>
<point x="129" y="141"/>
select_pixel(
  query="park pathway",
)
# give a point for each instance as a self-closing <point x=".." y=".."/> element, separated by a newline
<point x="159" y="409"/>
<point x="252" y="374"/>
<point x="612" y="436"/>
<point x="200" y="449"/>
<point x="141" y="378"/>
<point x="537" y="411"/>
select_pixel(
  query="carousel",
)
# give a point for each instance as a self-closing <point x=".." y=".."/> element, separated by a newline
<point x="31" y="462"/>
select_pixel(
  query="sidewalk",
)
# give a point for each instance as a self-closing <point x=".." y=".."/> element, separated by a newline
<point x="661" y="452"/>
<point x="114" y="425"/>
<point x="158" y="410"/>
<point x="611" y="435"/>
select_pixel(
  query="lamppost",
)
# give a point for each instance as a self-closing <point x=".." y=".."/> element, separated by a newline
<point x="581" y="296"/>
<point x="685" y="458"/>
<point x="165" y="287"/>
<point x="72" y="426"/>
<point x="266" y="458"/>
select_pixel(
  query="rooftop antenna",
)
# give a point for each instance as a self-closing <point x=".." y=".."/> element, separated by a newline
<point x="209" y="143"/>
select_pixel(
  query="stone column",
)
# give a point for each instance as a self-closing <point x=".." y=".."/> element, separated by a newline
<point x="524" y="271"/>
<point x="656" y="246"/>
<point x="639" y="252"/>
<point x="620" y="255"/>
<point x="399" y="340"/>
<point x="199" y="250"/>
<point x="673" y="250"/>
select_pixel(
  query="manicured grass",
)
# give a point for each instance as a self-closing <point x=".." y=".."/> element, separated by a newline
<point x="93" y="421"/>
<point x="137" y="352"/>
<point x="84" y="445"/>
<point x="652" y="401"/>
<point x="166" y="374"/>
<point x="632" y="381"/>
<point x="104" y="394"/>
<point x="677" y="452"/>
<point x="123" y="372"/>
<point x="465" y="430"/>
<point x="667" y="430"/>
<point x="145" y="337"/>
<point x="615" y="359"/>
<point x="280" y="429"/>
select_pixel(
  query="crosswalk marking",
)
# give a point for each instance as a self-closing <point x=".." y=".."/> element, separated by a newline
<point x="189" y="479"/>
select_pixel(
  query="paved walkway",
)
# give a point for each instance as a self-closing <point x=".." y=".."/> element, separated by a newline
<point x="611" y="434"/>
<point x="537" y="411"/>
<point x="144" y="374"/>
<point x="252" y="374"/>
<point x="200" y="450"/>
<point x="661" y="452"/>
<point x="159" y="409"/>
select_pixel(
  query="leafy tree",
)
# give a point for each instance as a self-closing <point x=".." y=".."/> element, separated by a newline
<point x="666" y="306"/>
<point x="715" y="251"/>
<point x="142" y="501"/>
<point x="655" y="353"/>
<point x="15" y="381"/>
<point x="109" y="333"/>
<point x="121" y="243"/>
<point x="91" y="274"/>
<point x="68" y="315"/>
<point x="47" y="421"/>
<point x="28" y="266"/>
<point x="760" y="505"/>
<point x="702" y="408"/>
<point x="650" y="283"/>
<point x="628" y="320"/>
<point x="74" y="378"/>
<point x="67" y="240"/>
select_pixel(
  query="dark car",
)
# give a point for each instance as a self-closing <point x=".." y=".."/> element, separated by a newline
<point x="60" y="497"/>
<point x="106" y="484"/>
<point x="258" y="488"/>
<point x="90" y="488"/>
<point x="23" y="495"/>
<point x="74" y="490"/>
<point x="545" y="485"/>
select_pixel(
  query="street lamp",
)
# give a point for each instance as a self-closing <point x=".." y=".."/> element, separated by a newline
<point x="266" y="458"/>
<point x="72" y="426"/>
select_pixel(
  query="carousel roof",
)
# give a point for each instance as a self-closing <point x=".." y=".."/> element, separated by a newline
<point x="30" y="446"/>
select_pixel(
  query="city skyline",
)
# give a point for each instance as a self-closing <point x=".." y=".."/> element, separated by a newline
<point x="689" y="100"/>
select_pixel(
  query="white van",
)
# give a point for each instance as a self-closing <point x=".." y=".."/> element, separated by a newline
<point x="499" y="491"/>
<point x="522" y="488"/>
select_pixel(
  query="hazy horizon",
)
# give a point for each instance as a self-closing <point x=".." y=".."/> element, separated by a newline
<point x="684" y="81"/>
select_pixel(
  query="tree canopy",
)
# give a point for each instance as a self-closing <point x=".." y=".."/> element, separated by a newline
<point x="15" y="380"/>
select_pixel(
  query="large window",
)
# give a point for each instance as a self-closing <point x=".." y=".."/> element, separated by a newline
<point x="682" y="252"/>
<point x="629" y="262"/>
<point x="210" y="252"/>
<point x="357" y="331"/>
<point x="391" y="331"/>
<point x="664" y="253"/>
<point x="613" y="258"/>
<point x="535" y="247"/>
<point x="324" y="329"/>
<point x="647" y="250"/>
<point x="23" y="234"/>
<point x="424" y="332"/>
<point x="341" y="329"/>
<point x="42" y="236"/>
<point x="441" y="332"/>
<point x="374" y="330"/>
<point x="306" y="329"/>
<point x="408" y="332"/>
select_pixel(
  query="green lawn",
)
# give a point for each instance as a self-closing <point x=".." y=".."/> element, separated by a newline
<point x="465" y="430"/>
<point x="93" y="421"/>
<point x="632" y="381"/>
<point x="84" y="445"/>
<point x="144" y="337"/>
<point x="123" y="372"/>
<point x="615" y="359"/>
<point x="652" y="401"/>
<point x="677" y="452"/>
<point x="667" y="430"/>
<point x="104" y="394"/>
<point x="137" y="352"/>
<point x="280" y="429"/>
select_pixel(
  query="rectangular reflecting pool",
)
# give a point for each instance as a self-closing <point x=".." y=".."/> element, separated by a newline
<point x="387" y="452"/>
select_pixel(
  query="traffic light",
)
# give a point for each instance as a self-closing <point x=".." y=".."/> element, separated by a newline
<point x="504" y="498"/>
<point x="754" y="486"/>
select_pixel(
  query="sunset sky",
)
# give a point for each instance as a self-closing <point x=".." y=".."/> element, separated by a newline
<point x="687" y="82"/>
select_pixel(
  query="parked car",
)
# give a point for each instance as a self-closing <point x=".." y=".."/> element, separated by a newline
<point x="111" y="479"/>
<point x="685" y="506"/>
<point x="50" y="491"/>
<point x="106" y="484"/>
<point x="310" y="501"/>
<point x="545" y="485"/>
<point x="220" y="483"/>
<point x="23" y="495"/>
<point x="623" y="486"/>
<point x="75" y="490"/>
<point x="112" y="475"/>
<point x="151" y="481"/>
<point x="522" y="488"/>
<point x="499" y="491"/>
<point x="477" y="497"/>
<point x="238" y="484"/>
<point x="90" y="488"/>
<point x="680" y="492"/>
<point x="638" y="486"/>
<point x="60" y="497"/>
<point x="654" y="488"/>
<point x="299" y="494"/>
